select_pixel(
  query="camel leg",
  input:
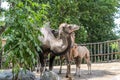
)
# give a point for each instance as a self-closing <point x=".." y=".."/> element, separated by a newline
<point x="76" y="66"/>
<point x="88" y="65"/>
<point x="60" y="70"/>
<point x="41" y="56"/>
<point x="68" y="70"/>
<point x="38" y="65"/>
<point x="68" y="74"/>
<point x="79" y="65"/>
<point x="52" y="57"/>
<point x="79" y="73"/>
<point x="45" y="64"/>
<point x="75" y="71"/>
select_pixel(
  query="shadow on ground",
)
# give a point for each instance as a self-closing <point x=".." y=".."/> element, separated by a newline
<point x="85" y="75"/>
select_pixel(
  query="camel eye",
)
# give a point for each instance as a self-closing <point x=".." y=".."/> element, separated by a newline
<point x="64" y="28"/>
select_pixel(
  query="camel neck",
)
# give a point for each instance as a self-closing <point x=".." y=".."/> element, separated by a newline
<point x="66" y="50"/>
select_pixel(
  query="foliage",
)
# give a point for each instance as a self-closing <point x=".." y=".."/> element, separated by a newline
<point x="2" y="23"/>
<point x="96" y="17"/>
<point x="115" y="47"/>
<point x="99" y="19"/>
<point x="22" y="20"/>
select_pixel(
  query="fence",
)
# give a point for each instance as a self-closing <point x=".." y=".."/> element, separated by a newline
<point x="107" y="51"/>
<point x="99" y="52"/>
<point x="104" y="51"/>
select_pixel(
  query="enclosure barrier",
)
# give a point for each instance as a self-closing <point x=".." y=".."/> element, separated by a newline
<point x="107" y="51"/>
<point x="104" y="51"/>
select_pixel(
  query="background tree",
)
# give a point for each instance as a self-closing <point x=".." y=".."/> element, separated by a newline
<point x="99" y="19"/>
<point x="96" y="17"/>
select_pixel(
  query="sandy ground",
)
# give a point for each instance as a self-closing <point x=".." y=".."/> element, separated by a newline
<point x="100" y="71"/>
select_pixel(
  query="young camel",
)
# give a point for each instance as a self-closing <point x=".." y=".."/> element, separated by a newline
<point x="78" y="53"/>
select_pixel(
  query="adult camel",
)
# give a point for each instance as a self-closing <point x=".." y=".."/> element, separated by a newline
<point x="62" y="57"/>
<point x="56" y="46"/>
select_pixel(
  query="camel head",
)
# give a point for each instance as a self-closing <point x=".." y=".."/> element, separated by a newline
<point x="67" y="28"/>
<point x="73" y="27"/>
<point x="64" y="36"/>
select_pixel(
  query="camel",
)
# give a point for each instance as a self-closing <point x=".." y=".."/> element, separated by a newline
<point x="78" y="53"/>
<point x="63" y="56"/>
<point x="56" y="46"/>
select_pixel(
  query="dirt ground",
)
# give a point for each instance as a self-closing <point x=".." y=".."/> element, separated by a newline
<point x="100" y="71"/>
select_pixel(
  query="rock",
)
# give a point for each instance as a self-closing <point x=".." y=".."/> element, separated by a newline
<point x="7" y="75"/>
<point x="50" y="75"/>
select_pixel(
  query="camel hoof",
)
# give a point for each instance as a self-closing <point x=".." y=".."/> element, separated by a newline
<point x="67" y="76"/>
